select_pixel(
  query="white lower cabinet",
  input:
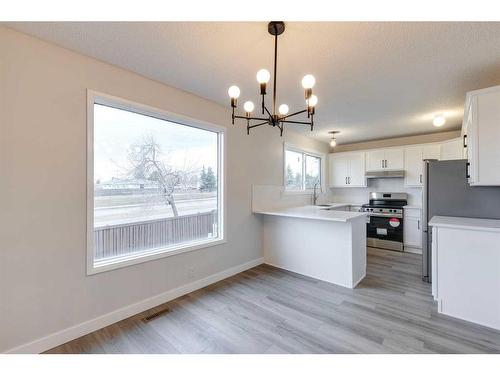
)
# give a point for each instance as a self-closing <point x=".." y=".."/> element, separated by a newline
<point x="347" y="170"/>
<point x="412" y="231"/>
<point x="466" y="269"/>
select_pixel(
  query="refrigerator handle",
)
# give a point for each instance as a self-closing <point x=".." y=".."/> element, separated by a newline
<point x="467" y="173"/>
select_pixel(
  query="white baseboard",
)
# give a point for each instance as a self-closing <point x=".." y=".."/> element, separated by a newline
<point x="413" y="250"/>
<point x="71" y="333"/>
<point x="355" y="284"/>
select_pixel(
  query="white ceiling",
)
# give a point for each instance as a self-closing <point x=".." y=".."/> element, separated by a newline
<point x="374" y="80"/>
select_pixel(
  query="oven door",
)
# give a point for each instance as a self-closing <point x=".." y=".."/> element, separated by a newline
<point x="385" y="232"/>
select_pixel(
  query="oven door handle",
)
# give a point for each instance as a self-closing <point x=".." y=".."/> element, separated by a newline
<point x="398" y="216"/>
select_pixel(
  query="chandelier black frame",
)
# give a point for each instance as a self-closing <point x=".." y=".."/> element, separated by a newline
<point x="274" y="119"/>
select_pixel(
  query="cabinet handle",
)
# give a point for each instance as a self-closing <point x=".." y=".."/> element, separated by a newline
<point x="385" y="163"/>
<point x="418" y="224"/>
<point x="420" y="178"/>
<point x="349" y="180"/>
<point x="382" y="163"/>
<point x="346" y="180"/>
<point x="465" y="140"/>
<point x="467" y="167"/>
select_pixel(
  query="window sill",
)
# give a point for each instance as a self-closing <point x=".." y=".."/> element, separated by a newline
<point x="129" y="260"/>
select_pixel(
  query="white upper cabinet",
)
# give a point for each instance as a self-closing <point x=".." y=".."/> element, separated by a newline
<point x="394" y="158"/>
<point x="431" y="151"/>
<point x="481" y="126"/>
<point x="413" y="164"/>
<point x="375" y="160"/>
<point x="347" y="169"/>
<point x="452" y="150"/>
<point x="357" y="169"/>
<point x="385" y="159"/>
<point x="339" y="169"/>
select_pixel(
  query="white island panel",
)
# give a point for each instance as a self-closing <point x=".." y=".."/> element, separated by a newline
<point x="329" y="250"/>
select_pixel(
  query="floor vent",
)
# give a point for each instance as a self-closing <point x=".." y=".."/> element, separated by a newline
<point x="155" y="315"/>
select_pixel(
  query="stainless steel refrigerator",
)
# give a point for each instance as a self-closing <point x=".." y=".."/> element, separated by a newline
<point x="446" y="192"/>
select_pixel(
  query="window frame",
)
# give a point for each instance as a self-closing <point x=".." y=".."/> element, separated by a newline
<point x="94" y="97"/>
<point x="291" y="147"/>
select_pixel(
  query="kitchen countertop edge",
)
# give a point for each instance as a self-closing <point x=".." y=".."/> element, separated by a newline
<point x="313" y="213"/>
<point x="490" y="225"/>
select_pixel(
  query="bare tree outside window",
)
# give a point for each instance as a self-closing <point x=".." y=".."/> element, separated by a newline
<point x="147" y="163"/>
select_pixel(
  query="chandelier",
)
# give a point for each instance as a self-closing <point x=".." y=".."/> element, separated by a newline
<point x="279" y="116"/>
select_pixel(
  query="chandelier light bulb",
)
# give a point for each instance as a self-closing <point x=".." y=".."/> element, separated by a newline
<point x="439" y="120"/>
<point x="308" y="81"/>
<point x="312" y="101"/>
<point x="333" y="142"/>
<point x="263" y="76"/>
<point x="283" y="109"/>
<point x="248" y="106"/>
<point x="234" y="92"/>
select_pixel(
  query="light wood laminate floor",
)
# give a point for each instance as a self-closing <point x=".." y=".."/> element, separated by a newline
<point x="268" y="310"/>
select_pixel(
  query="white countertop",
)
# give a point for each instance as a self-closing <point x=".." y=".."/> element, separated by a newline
<point x="489" y="225"/>
<point x="314" y="213"/>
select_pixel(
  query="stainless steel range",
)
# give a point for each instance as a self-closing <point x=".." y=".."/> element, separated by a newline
<point x="384" y="227"/>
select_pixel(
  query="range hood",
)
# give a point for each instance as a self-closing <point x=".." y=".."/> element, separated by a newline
<point x="385" y="174"/>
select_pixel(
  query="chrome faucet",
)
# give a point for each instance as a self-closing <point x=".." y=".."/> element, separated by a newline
<point x="315" y="193"/>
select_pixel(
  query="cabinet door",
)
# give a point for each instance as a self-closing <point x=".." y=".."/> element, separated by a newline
<point x="394" y="158"/>
<point x="431" y="151"/>
<point x="357" y="170"/>
<point x="484" y="152"/>
<point x="466" y="125"/>
<point x="452" y="150"/>
<point x="412" y="232"/>
<point x="413" y="166"/>
<point x="339" y="170"/>
<point x="471" y="140"/>
<point x="375" y="160"/>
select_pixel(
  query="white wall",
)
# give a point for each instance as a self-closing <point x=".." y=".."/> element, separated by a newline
<point x="361" y="195"/>
<point x="43" y="285"/>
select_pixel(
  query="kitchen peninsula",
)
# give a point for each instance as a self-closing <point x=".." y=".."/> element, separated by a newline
<point x="324" y="242"/>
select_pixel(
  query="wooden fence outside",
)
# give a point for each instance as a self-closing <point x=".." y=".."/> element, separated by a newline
<point x="125" y="239"/>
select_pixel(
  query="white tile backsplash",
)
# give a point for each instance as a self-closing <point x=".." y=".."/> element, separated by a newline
<point x="274" y="196"/>
<point x="391" y="185"/>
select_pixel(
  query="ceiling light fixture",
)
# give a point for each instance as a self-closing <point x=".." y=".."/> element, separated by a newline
<point x="439" y="120"/>
<point x="333" y="141"/>
<point x="280" y="116"/>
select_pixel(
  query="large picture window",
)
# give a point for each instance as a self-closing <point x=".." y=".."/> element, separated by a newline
<point x="155" y="184"/>
<point x="303" y="170"/>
